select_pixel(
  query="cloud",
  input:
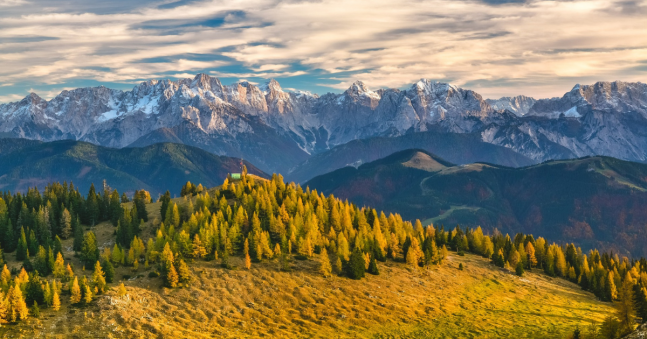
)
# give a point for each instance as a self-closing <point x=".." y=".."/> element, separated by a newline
<point x="496" y="47"/>
<point x="12" y="3"/>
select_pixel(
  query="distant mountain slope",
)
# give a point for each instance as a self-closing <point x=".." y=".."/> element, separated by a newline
<point x="594" y="201"/>
<point x="25" y="163"/>
<point x="457" y="148"/>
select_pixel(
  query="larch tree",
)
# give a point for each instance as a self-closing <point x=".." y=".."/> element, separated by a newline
<point x="325" y="268"/>
<point x="99" y="278"/>
<point x="56" y="301"/>
<point x="66" y="224"/>
<point x="75" y="291"/>
<point x="87" y="295"/>
<point x="184" y="275"/>
<point x="16" y="305"/>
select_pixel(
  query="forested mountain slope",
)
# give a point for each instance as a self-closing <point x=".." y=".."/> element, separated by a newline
<point x="594" y="201"/>
<point x="259" y="257"/>
<point x="27" y="163"/>
<point x="455" y="147"/>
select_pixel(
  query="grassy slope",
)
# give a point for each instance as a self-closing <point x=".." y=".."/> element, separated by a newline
<point x="481" y="301"/>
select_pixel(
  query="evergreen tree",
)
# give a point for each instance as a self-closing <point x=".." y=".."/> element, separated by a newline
<point x="114" y="208"/>
<point x="356" y="266"/>
<point x="21" y="249"/>
<point x="109" y="271"/>
<point x="372" y="267"/>
<point x="640" y="301"/>
<point x="89" y="249"/>
<point x="519" y="270"/>
<point x="35" y="311"/>
<point x="165" y="200"/>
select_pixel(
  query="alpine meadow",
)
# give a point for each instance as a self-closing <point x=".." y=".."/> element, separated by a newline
<point x="371" y="169"/>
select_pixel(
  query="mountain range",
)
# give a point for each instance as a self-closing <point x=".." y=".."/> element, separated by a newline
<point x="30" y="163"/>
<point x="278" y="130"/>
<point x="593" y="201"/>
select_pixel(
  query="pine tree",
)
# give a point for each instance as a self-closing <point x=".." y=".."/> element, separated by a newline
<point x="56" y="302"/>
<point x="109" y="271"/>
<point x="372" y="267"/>
<point x="35" y="311"/>
<point x="21" y="249"/>
<point x="325" y="268"/>
<point x="98" y="277"/>
<point x="640" y="301"/>
<point x="75" y="291"/>
<point x="625" y="306"/>
<point x="356" y="265"/>
<point x="519" y="270"/>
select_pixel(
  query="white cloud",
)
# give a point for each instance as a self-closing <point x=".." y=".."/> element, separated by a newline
<point x="539" y="48"/>
<point x="12" y="3"/>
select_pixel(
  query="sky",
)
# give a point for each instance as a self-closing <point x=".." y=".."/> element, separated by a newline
<point x="494" y="47"/>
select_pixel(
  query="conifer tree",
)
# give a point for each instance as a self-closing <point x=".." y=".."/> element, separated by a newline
<point x="35" y="311"/>
<point x="184" y="275"/>
<point x="372" y="267"/>
<point x="75" y="292"/>
<point x="198" y="249"/>
<point x="122" y="290"/>
<point x="325" y="268"/>
<point x="625" y="305"/>
<point x="109" y="271"/>
<point x="338" y="266"/>
<point x="640" y="301"/>
<point x="248" y="261"/>
<point x="16" y="306"/>
<point x="519" y="270"/>
<point x="171" y="276"/>
<point x="66" y="224"/>
<point x="22" y="250"/>
<point x="89" y="249"/>
<point x="87" y="295"/>
<point x="56" y="302"/>
<point x="356" y="265"/>
<point x="59" y="266"/>
<point x="98" y="277"/>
